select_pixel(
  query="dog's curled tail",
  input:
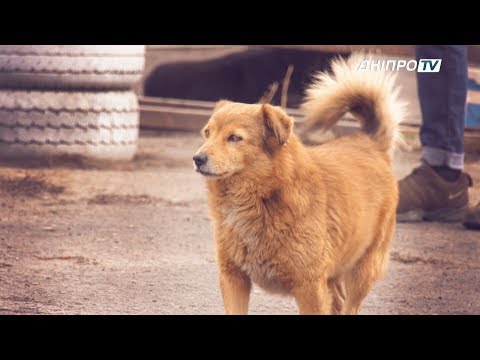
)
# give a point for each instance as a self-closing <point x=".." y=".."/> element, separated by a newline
<point x="369" y="95"/>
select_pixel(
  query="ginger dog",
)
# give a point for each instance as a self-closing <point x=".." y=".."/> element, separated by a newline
<point x="311" y="222"/>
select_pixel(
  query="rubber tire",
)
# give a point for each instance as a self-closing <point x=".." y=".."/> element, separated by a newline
<point x="82" y="67"/>
<point x="100" y="125"/>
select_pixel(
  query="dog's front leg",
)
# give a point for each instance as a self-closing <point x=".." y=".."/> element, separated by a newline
<point x="313" y="298"/>
<point x="235" y="287"/>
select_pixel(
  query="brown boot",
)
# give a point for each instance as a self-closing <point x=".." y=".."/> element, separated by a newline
<point x="472" y="219"/>
<point x="424" y="195"/>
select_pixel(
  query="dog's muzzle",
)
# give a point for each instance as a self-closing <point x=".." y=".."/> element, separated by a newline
<point x="200" y="159"/>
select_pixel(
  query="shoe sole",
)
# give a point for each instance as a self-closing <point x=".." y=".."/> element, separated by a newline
<point x="441" y="215"/>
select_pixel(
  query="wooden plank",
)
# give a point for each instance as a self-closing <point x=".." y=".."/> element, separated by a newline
<point x="474" y="74"/>
<point x="191" y="104"/>
<point x="398" y="50"/>
<point x="159" y="101"/>
<point x="472" y="140"/>
<point x="178" y="118"/>
<point x="191" y="115"/>
<point x="401" y="50"/>
<point x="191" y="47"/>
<point x="165" y="118"/>
<point x="156" y="106"/>
<point x="473" y="97"/>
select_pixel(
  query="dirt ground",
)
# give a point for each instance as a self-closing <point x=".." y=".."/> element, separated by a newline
<point x="136" y="239"/>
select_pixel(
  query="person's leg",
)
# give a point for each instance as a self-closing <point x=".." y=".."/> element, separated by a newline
<point x="438" y="189"/>
<point x="442" y="98"/>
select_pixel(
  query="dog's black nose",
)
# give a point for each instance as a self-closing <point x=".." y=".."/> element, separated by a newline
<point x="200" y="159"/>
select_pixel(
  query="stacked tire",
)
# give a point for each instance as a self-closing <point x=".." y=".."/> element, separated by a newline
<point x="69" y="100"/>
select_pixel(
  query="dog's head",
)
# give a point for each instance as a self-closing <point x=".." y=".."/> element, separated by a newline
<point x="241" y="138"/>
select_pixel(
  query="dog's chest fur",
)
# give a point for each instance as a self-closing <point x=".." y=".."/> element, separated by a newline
<point x="256" y="241"/>
<point x="266" y="275"/>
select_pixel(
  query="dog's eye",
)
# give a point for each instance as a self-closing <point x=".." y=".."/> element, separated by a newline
<point x="234" y="138"/>
<point x="206" y="133"/>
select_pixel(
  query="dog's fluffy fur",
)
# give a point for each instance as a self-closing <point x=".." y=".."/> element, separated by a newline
<point x="312" y="222"/>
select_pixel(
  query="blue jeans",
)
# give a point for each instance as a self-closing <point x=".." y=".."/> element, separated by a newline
<point x="443" y="98"/>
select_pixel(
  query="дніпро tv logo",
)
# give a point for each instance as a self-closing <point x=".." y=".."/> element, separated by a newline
<point x="422" y="65"/>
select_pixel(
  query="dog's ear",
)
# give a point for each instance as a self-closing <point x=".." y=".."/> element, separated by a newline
<point x="277" y="122"/>
<point x="220" y="104"/>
